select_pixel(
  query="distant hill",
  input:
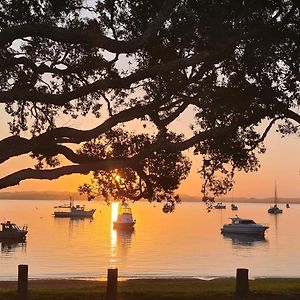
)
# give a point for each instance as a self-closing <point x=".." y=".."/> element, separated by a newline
<point x="46" y="195"/>
<point x="187" y="198"/>
<point x="52" y="195"/>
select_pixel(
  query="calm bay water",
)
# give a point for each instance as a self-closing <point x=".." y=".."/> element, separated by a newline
<point x="186" y="243"/>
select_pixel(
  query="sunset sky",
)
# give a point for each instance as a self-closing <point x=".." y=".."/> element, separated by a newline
<point x="280" y="163"/>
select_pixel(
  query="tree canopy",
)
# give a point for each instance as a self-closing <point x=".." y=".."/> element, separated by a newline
<point x="234" y="64"/>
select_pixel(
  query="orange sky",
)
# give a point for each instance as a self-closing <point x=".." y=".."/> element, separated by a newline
<point x="280" y="163"/>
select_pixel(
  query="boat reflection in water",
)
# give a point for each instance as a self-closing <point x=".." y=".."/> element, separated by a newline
<point x="245" y="239"/>
<point x="120" y="236"/>
<point x="11" y="245"/>
<point x="124" y="238"/>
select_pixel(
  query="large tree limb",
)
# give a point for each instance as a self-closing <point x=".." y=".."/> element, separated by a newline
<point x="96" y="64"/>
<point x="88" y="36"/>
<point x="109" y="164"/>
<point x="35" y="96"/>
<point x="16" y="145"/>
<point x="17" y="177"/>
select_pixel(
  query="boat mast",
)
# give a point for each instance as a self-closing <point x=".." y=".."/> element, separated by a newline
<point x="275" y="193"/>
<point x="71" y="201"/>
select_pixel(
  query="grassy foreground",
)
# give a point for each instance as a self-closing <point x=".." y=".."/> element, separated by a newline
<point x="164" y="289"/>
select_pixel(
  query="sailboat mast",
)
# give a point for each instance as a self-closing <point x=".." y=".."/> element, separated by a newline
<point x="275" y="193"/>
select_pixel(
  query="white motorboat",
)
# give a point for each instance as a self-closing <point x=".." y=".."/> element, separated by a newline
<point x="220" y="205"/>
<point x="244" y="226"/>
<point x="124" y="220"/>
<point x="12" y="231"/>
<point x="73" y="211"/>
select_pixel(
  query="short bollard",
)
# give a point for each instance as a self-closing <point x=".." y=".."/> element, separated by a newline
<point x="22" y="281"/>
<point x="242" y="283"/>
<point x="112" y="284"/>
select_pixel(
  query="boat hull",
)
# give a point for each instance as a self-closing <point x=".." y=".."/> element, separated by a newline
<point x="13" y="235"/>
<point x="240" y="229"/>
<point x="124" y="226"/>
<point x="220" y="205"/>
<point x="74" y="214"/>
<point x="274" y="211"/>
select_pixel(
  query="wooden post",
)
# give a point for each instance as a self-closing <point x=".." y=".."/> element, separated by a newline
<point x="112" y="284"/>
<point x="22" y="281"/>
<point x="242" y="283"/>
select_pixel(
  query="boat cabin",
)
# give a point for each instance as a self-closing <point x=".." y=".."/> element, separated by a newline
<point x="238" y="220"/>
<point x="8" y="226"/>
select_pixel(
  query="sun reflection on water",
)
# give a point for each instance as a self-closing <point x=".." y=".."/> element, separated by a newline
<point x="114" y="212"/>
<point x="113" y="233"/>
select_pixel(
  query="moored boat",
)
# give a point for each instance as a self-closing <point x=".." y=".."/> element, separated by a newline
<point x="220" y="205"/>
<point x="12" y="231"/>
<point x="243" y="226"/>
<point x="73" y="211"/>
<point x="124" y="220"/>
<point x="234" y="206"/>
<point x="275" y="210"/>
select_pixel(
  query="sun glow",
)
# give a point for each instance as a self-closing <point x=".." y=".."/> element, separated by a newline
<point x="118" y="178"/>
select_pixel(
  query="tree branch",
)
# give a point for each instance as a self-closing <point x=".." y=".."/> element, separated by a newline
<point x="17" y="177"/>
<point x="87" y="36"/>
<point x="105" y="84"/>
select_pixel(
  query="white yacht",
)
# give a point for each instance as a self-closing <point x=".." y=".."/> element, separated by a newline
<point x="73" y="211"/>
<point x="12" y="231"/>
<point x="124" y="219"/>
<point x="245" y="226"/>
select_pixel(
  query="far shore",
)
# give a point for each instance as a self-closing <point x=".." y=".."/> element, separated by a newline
<point x="65" y="196"/>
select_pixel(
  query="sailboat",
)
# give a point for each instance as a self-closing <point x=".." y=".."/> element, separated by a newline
<point x="275" y="209"/>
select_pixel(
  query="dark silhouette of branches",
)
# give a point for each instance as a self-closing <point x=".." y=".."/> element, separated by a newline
<point x="234" y="64"/>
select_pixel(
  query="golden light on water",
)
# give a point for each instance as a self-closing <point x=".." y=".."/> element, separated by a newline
<point x="113" y="233"/>
<point x="114" y="211"/>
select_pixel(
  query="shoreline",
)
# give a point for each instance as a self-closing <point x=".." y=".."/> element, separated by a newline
<point x="80" y="283"/>
<point x="159" y="289"/>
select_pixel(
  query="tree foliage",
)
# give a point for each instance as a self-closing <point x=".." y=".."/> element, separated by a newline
<point x="234" y="63"/>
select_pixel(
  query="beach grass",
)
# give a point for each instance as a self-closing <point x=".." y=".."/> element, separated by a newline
<point x="158" y="289"/>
